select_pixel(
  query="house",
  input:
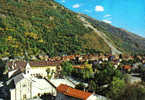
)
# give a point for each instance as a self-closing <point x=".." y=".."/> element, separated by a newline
<point x="136" y="65"/>
<point x="133" y="80"/>
<point x="93" y="57"/>
<point x="78" y="66"/>
<point x="15" y="66"/>
<point x="65" y="92"/>
<point x="38" y="68"/>
<point x="82" y="66"/>
<point x="111" y="58"/>
<point x="68" y="58"/>
<point x="116" y="63"/>
<point x="127" y="68"/>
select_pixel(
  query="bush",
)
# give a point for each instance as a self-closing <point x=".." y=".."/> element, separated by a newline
<point x="132" y="92"/>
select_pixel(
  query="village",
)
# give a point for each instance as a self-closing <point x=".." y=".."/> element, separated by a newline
<point x="68" y="77"/>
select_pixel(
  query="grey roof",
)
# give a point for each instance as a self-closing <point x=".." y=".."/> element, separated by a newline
<point x="18" y="78"/>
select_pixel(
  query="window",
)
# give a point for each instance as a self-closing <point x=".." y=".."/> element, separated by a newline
<point x="24" y="85"/>
<point x="24" y="96"/>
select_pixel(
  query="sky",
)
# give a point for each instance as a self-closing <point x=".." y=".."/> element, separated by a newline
<point x="126" y="14"/>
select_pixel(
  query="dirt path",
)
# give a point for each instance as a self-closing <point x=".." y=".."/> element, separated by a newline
<point x="102" y="35"/>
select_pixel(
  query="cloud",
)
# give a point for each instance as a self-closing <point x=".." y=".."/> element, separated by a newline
<point x="76" y="6"/>
<point x="107" y="15"/>
<point x="99" y="8"/>
<point x="107" y="21"/>
<point x="107" y="18"/>
<point x="63" y="1"/>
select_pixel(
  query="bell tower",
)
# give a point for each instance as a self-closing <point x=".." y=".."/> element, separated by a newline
<point x="28" y="69"/>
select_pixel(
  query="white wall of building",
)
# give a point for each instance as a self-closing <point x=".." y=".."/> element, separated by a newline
<point x="96" y="97"/>
<point x="23" y="89"/>
<point x="12" y="94"/>
<point x="41" y="86"/>
<point x="42" y="70"/>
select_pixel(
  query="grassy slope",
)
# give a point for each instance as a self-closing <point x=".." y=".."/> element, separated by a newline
<point x="125" y="41"/>
<point x="43" y="26"/>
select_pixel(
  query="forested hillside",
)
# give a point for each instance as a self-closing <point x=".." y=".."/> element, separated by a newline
<point x="43" y="27"/>
<point x="36" y="27"/>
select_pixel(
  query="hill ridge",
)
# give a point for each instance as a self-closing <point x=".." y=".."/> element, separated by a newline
<point x="102" y="35"/>
<point x="44" y="27"/>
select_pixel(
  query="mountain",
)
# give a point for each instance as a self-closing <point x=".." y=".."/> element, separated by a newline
<point x="33" y="27"/>
<point x="124" y="41"/>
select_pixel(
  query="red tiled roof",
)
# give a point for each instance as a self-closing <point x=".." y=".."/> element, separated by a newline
<point x="44" y="63"/>
<point x="66" y="90"/>
<point x="127" y="67"/>
<point x="78" y="66"/>
<point x="16" y="64"/>
<point x="70" y="57"/>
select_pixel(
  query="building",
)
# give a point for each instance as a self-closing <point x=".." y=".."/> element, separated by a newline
<point x="24" y="86"/>
<point x="65" y="92"/>
<point x="40" y="68"/>
<point x="20" y="87"/>
<point x="23" y="80"/>
<point x="133" y="80"/>
<point x="127" y="68"/>
<point x="37" y="68"/>
<point x="89" y="66"/>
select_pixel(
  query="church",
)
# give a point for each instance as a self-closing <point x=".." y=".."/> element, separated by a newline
<point x="25" y="84"/>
